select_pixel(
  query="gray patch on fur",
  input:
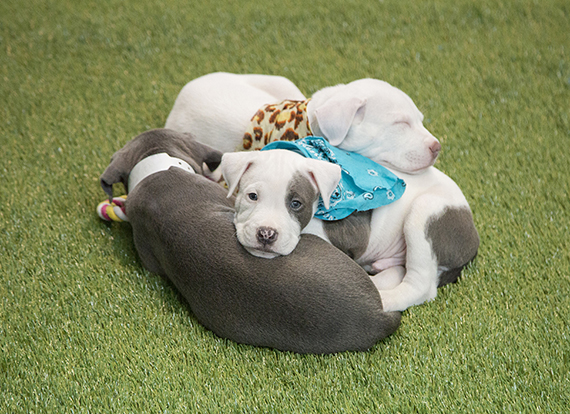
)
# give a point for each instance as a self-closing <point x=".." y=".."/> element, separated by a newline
<point x="454" y="241"/>
<point x="301" y="189"/>
<point x="352" y="234"/>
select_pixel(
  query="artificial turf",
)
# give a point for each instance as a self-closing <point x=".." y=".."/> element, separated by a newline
<point x="84" y="328"/>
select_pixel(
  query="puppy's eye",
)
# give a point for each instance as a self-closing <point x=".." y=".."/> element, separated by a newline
<point x="295" y="204"/>
<point x="252" y="196"/>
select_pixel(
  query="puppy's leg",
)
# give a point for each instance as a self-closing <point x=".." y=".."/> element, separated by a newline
<point x="417" y="287"/>
<point x="383" y="264"/>
<point x="389" y="278"/>
<point x="421" y="279"/>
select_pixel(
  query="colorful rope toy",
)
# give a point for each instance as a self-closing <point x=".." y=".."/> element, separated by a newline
<point x="113" y="211"/>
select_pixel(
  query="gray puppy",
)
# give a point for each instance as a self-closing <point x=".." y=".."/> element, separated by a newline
<point x="316" y="300"/>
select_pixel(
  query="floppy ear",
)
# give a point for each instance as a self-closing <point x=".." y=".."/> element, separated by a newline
<point x="210" y="164"/>
<point x="326" y="176"/>
<point x="213" y="159"/>
<point x="202" y="154"/>
<point x="233" y="166"/>
<point x="215" y="175"/>
<point x="335" y="116"/>
<point x="116" y="172"/>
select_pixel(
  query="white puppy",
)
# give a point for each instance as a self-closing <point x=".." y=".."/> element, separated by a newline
<point x="367" y="116"/>
<point x="413" y="246"/>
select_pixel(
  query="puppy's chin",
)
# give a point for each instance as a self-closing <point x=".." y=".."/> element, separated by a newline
<point x="266" y="253"/>
<point x="283" y="247"/>
<point x="413" y="169"/>
<point x="262" y="253"/>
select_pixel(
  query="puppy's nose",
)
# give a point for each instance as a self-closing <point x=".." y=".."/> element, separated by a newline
<point x="266" y="235"/>
<point x="435" y="148"/>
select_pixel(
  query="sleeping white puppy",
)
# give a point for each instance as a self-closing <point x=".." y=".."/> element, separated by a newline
<point x="366" y="116"/>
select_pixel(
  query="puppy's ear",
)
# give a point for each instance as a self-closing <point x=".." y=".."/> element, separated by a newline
<point x="325" y="176"/>
<point x="215" y="175"/>
<point x="210" y="163"/>
<point x="116" y="172"/>
<point x="213" y="159"/>
<point x="336" y="115"/>
<point x="233" y="166"/>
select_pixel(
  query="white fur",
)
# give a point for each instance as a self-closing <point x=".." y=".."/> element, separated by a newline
<point x="250" y="171"/>
<point x="371" y="117"/>
<point x="217" y="107"/>
<point x="367" y="116"/>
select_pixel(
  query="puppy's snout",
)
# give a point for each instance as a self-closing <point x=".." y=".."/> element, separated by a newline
<point x="266" y="235"/>
<point x="435" y="148"/>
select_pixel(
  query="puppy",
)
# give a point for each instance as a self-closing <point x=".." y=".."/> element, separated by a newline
<point x="273" y="209"/>
<point x="368" y="116"/>
<point x="315" y="300"/>
<point x="413" y="245"/>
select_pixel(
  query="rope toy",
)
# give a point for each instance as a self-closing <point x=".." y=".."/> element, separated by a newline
<point x="113" y="211"/>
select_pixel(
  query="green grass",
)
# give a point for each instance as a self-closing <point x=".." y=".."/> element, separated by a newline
<point x="84" y="328"/>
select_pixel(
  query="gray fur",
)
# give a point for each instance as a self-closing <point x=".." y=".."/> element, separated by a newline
<point x="351" y="234"/>
<point x="454" y="241"/>
<point x="315" y="300"/>
<point x="179" y="145"/>
<point x="301" y="189"/>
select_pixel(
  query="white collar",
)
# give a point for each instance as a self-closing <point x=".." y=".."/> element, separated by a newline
<point x="153" y="164"/>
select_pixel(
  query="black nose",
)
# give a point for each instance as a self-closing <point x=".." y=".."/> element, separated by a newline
<point x="266" y="235"/>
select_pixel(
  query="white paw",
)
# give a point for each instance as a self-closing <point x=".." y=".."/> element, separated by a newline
<point x="389" y="278"/>
<point x="404" y="296"/>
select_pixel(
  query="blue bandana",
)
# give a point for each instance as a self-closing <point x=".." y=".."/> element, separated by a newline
<point x="364" y="184"/>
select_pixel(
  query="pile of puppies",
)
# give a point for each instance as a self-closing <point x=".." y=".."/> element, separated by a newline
<point x="258" y="268"/>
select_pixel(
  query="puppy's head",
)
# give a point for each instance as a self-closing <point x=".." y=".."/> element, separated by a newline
<point x="377" y="120"/>
<point x="175" y="144"/>
<point x="277" y="195"/>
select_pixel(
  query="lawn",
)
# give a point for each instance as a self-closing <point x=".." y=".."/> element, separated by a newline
<point x="84" y="328"/>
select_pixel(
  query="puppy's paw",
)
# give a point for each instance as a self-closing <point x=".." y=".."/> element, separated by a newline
<point x="405" y="295"/>
<point x="389" y="278"/>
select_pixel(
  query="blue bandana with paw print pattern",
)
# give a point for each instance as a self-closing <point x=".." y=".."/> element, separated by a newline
<point x="364" y="184"/>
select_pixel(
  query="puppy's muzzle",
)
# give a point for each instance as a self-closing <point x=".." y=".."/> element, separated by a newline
<point x="266" y="235"/>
